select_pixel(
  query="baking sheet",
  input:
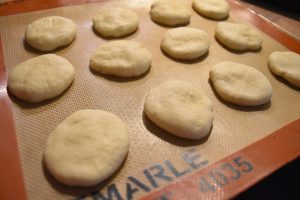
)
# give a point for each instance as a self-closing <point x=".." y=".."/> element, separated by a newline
<point x="152" y="149"/>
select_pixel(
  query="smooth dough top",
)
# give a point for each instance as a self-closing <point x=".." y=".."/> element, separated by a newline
<point x="240" y="84"/>
<point x="86" y="148"/>
<point x="185" y="43"/>
<point x="238" y="36"/>
<point x="41" y="78"/>
<point x="116" y="22"/>
<point x="121" y="58"/>
<point x="49" y="33"/>
<point x="170" y="13"/>
<point x="287" y="65"/>
<point x="180" y="108"/>
<point x="214" y="9"/>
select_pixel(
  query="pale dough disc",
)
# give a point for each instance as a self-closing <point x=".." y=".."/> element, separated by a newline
<point x="86" y="148"/>
<point x="238" y="36"/>
<point x="180" y="108"/>
<point x="287" y="65"/>
<point x="115" y="22"/>
<point x="214" y="9"/>
<point x="49" y="33"/>
<point x="170" y="13"/>
<point x="121" y="58"/>
<point x="185" y="43"/>
<point x="41" y="78"/>
<point x="240" y="84"/>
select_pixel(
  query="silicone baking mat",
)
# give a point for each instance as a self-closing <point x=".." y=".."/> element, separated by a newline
<point x="156" y="158"/>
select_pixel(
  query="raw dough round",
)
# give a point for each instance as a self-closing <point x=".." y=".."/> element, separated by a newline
<point x="41" y="78"/>
<point x="214" y="9"/>
<point x="86" y="148"/>
<point x="287" y="65"/>
<point x="238" y="36"/>
<point x="121" y="58"/>
<point x="185" y="43"/>
<point x="170" y="13"/>
<point x="116" y="22"/>
<point x="180" y="108"/>
<point x="240" y="84"/>
<point x="49" y="33"/>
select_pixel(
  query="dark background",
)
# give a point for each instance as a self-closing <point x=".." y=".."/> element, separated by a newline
<point x="284" y="184"/>
<point x="289" y="8"/>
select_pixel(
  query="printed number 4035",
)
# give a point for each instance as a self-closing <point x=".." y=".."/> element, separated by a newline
<point x="224" y="174"/>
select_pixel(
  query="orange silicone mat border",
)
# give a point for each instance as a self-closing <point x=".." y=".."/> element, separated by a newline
<point x="11" y="179"/>
<point x="224" y="180"/>
<point x="22" y="6"/>
<point x="273" y="30"/>
<point x="284" y="144"/>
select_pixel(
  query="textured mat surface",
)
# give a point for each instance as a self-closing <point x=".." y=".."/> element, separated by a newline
<point x="152" y="150"/>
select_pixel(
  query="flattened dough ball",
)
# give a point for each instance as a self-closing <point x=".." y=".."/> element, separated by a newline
<point x="287" y="65"/>
<point x="214" y="9"/>
<point x="121" y="58"/>
<point x="170" y="13"/>
<point x="238" y="36"/>
<point x="86" y="148"/>
<point x="41" y="78"/>
<point x="116" y="22"/>
<point x="180" y="108"/>
<point x="185" y="43"/>
<point x="240" y="84"/>
<point x="49" y="33"/>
